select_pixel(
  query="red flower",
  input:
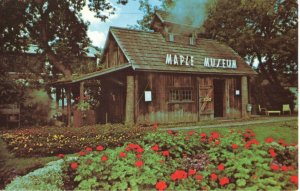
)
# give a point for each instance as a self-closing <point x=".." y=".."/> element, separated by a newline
<point x="274" y="167"/>
<point x="61" y="155"/>
<point x="202" y="135"/>
<point x="203" y="139"/>
<point x="88" y="149"/>
<point x="170" y="132"/>
<point x="214" y="135"/>
<point x="178" y="175"/>
<point x="221" y="167"/>
<point x="199" y="177"/>
<point x="272" y="153"/>
<point x="155" y="148"/>
<point x="161" y="185"/>
<point x="213" y="177"/>
<point x="139" y="163"/>
<point x="192" y="172"/>
<point x="294" y="179"/>
<point x="284" y="168"/>
<point x="191" y="133"/>
<point x="82" y="153"/>
<point x="155" y="126"/>
<point x="291" y="168"/>
<point x="104" y="158"/>
<point x="99" y="148"/>
<point x="234" y="146"/>
<point x="122" y="154"/>
<point x="224" y="181"/>
<point x="138" y="156"/>
<point x="74" y="165"/>
<point x="165" y="153"/>
<point x="217" y="142"/>
<point x="140" y="150"/>
<point x="282" y="142"/>
<point x="269" y="140"/>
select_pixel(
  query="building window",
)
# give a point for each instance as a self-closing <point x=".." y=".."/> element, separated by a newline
<point x="180" y="95"/>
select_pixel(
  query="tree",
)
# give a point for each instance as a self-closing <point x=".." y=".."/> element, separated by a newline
<point x="56" y="26"/>
<point x="263" y="31"/>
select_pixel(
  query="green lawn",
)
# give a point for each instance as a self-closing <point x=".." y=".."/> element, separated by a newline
<point x="10" y="165"/>
<point x="287" y="131"/>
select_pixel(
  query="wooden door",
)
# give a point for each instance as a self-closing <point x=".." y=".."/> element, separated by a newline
<point x="206" y="93"/>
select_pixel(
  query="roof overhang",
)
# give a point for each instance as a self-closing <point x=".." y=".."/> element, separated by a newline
<point x="90" y="75"/>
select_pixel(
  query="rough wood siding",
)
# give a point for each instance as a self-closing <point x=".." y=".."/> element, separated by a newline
<point x="160" y="109"/>
<point x="232" y="105"/>
<point x="114" y="55"/>
<point x="206" y="91"/>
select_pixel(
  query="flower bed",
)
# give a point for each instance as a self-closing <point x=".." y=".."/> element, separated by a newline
<point x="48" y="141"/>
<point x="187" y="161"/>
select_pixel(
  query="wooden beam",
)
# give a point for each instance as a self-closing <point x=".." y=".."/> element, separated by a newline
<point x="129" y="111"/>
<point x="68" y="91"/>
<point x="244" y="91"/>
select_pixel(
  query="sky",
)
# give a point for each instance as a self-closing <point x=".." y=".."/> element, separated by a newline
<point x="125" y="15"/>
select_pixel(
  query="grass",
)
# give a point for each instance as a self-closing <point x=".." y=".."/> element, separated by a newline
<point x="287" y="131"/>
<point x="11" y="165"/>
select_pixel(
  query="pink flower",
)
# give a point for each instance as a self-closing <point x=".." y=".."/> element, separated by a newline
<point x="217" y="142"/>
<point x="155" y="126"/>
<point x="139" y="163"/>
<point x="223" y="181"/>
<point x="221" y="167"/>
<point x="99" y="148"/>
<point x="122" y="154"/>
<point x="161" y="185"/>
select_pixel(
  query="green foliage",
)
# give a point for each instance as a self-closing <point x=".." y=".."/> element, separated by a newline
<point x="244" y="166"/>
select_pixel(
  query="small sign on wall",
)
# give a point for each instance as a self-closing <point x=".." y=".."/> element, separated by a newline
<point x="148" y="96"/>
<point x="237" y="92"/>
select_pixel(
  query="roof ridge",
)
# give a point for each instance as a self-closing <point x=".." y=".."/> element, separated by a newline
<point x="135" y="30"/>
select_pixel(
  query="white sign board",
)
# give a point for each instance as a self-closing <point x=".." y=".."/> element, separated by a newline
<point x="179" y="60"/>
<point x="148" y="96"/>
<point x="219" y="63"/>
<point x="237" y="92"/>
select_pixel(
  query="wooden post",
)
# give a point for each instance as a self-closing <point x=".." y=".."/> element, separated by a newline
<point x="68" y="91"/>
<point x="81" y="90"/>
<point x="57" y="97"/>
<point x="129" y="112"/>
<point x="136" y="98"/>
<point x="63" y="98"/>
<point x="244" y="91"/>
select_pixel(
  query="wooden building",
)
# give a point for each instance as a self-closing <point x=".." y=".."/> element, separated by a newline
<point x="169" y="75"/>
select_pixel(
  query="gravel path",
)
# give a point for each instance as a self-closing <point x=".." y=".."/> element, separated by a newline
<point x="235" y="124"/>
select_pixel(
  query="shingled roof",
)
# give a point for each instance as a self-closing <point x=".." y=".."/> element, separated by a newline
<point x="146" y="51"/>
<point x="166" y="17"/>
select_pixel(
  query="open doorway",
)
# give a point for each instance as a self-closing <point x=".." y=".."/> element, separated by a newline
<point x="218" y="97"/>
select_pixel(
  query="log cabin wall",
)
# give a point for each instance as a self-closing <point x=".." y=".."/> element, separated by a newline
<point x="173" y="98"/>
<point x="184" y="97"/>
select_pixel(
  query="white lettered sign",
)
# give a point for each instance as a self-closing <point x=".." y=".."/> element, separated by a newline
<point x="179" y="60"/>
<point x="219" y="63"/>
